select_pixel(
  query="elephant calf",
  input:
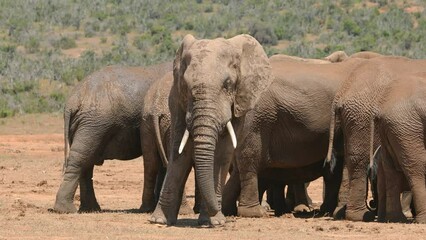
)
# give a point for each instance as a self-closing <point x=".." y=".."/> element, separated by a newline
<point x="102" y="119"/>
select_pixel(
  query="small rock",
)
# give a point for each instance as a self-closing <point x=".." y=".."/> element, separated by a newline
<point x="42" y="183"/>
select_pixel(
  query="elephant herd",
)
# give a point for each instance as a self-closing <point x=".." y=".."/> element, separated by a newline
<point x="247" y="123"/>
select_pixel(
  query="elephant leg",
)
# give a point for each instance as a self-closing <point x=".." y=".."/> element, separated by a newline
<point x="332" y="181"/>
<point x="65" y="195"/>
<point x="184" y="208"/>
<point x="231" y="193"/>
<point x="151" y="164"/>
<point x="417" y="184"/>
<point x="248" y="160"/>
<point x="249" y="205"/>
<point x="356" y="154"/>
<point x="381" y="191"/>
<point x="159" y="182"/>
<point x="277" y="191"/>
<point x="394" y="180"/>
<point x="167" y="208"/>
<point x="340" y="211"/>
<point x="301" y="198"/>
<point x="87" y="192"/>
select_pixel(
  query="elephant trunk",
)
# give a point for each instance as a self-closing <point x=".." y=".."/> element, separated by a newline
<point x="205" y="137"/>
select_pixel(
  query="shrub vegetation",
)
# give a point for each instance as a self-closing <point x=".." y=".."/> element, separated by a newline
<point x="61" y="42"/>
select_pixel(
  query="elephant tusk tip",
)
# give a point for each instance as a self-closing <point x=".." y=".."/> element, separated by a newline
<point x="184" y="140"/>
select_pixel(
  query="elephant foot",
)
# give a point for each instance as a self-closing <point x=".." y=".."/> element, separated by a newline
<point x="420" y="219"/>
<point x="326" y="210"/>
<point x="64" y="208"/>
<point x="185" y="209"/>
<point x="253" y="212"/>
<point x="147" y="208"/>
<point x="302" y="208"/>
<point x="158" y="217"/>
<point x="197" y="208"/>
<point x="229" y="209"/>
<point x="339" y="213"/>
<point x="205" y="220"/>
<point x="395" y="217"/>
<point x="93" y="207"/>
<point x="364" y="215"/>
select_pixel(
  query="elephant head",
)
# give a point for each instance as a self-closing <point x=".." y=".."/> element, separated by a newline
<point x="214" y="81"/>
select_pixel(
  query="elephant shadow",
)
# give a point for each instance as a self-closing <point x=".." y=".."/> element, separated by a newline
<point x="315" y="213"/>
<point x="129" y="211"/>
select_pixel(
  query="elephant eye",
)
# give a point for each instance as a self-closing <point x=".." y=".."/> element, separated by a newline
<point x="227" y="84"/>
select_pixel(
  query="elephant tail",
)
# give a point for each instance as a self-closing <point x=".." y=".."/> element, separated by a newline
<point x="372" y="152"/>
<point x="331" y="137"/>
<point x="158" y="141"/>
<point x="67" y="119"/>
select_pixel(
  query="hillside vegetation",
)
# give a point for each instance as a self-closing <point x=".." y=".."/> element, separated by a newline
<point x="47" y="46"/>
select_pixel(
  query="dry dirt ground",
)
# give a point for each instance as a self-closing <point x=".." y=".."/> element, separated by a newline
<point x="31" y="157"/>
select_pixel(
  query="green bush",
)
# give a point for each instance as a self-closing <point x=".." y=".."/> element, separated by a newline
<point x="65" y="43"/>
<point x="263" y="33"/>
<point x="32" y="45"/>
<point x="147" y="32"/>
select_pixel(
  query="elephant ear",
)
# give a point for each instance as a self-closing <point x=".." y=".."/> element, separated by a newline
<point x="255" y="73"/>
<point x="179" y="65"/>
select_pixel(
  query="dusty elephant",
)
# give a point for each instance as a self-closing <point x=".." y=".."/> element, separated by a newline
<point x="287" y="130"/>
<point x="355" y="106"/>
<point x="401" y="123"/>
<point x="102" y="121"/>
<point x="215" y="83"/>
<point x="340" y="56"/>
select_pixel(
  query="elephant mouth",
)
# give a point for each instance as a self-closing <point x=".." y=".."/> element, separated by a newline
<point x="229" y="128"/>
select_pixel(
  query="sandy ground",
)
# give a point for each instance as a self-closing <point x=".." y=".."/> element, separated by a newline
<point x="31" y="158"/>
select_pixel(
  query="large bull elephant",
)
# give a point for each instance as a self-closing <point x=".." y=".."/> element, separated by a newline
<point x="215" y="83"/>
<point x="102" y="119"/>
<point x="355" y="106"/>
<point x="288" y="130"/>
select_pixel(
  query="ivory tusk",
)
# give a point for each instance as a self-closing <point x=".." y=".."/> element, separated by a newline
<point x="184" y="140"/>
<point x="232" y="134"/>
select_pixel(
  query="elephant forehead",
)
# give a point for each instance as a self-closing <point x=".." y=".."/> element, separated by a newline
<point x="206" y="74"/>
<point x="208" y="50"/>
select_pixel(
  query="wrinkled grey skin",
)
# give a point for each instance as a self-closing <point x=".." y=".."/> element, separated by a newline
<point x="215" y="81"/>
<point x="102" y="120"/>
<point x="401" y="124"/>
<point x="367" y="94"/>
<point x="289" y="129"/>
